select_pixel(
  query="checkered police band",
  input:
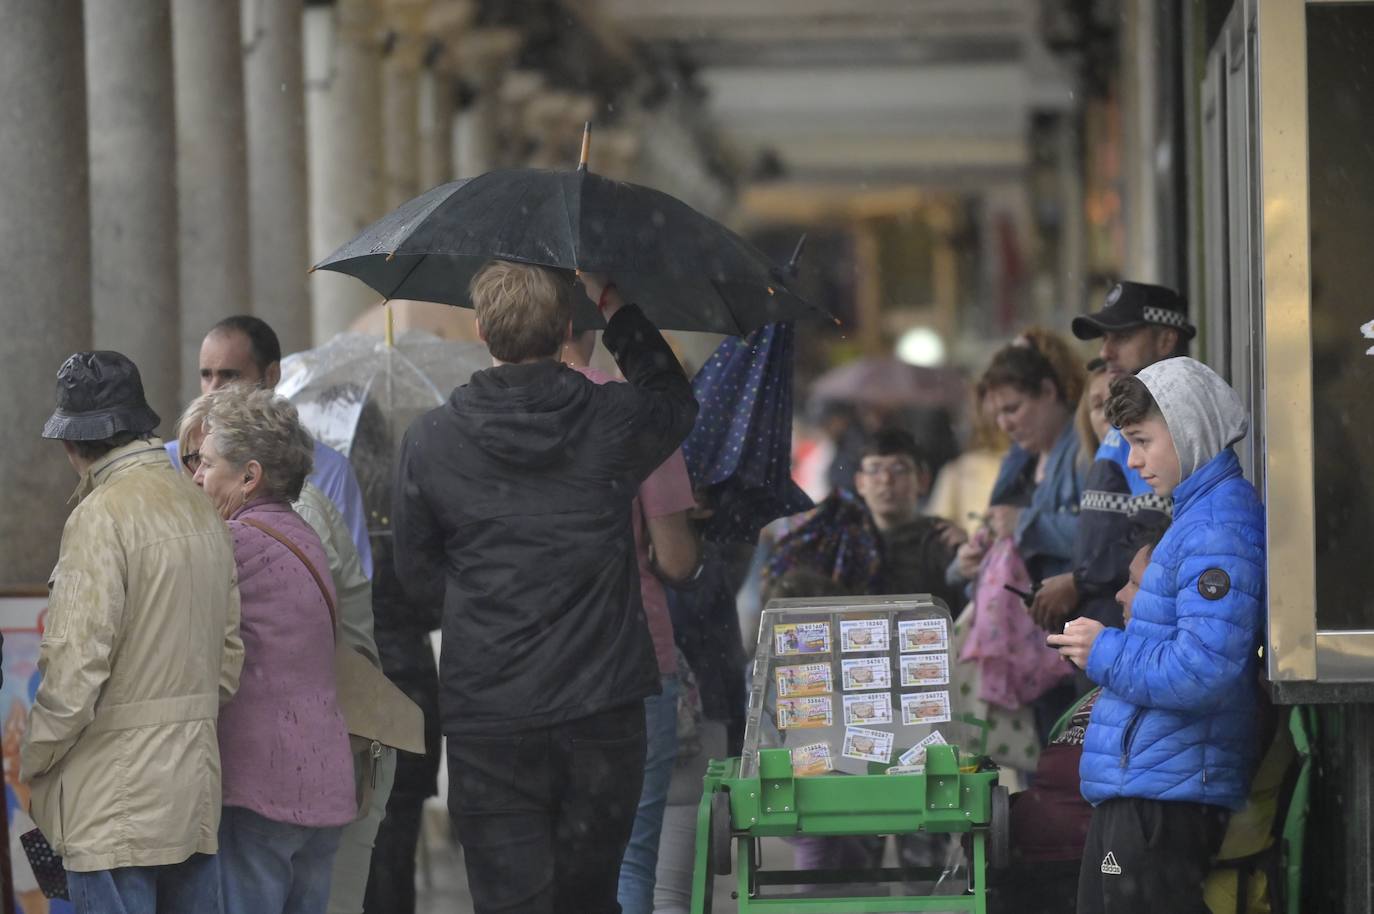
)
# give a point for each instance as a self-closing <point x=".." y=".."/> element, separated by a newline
<point x="1164" y="316"/>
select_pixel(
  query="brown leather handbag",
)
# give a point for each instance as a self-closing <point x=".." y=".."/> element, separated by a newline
<point x="374" y="709"/>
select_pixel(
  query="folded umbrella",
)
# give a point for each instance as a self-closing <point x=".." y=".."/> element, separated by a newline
<point x="740" y="449"/>
<point x="839" y="540"/>
<point x="687" y="271"/>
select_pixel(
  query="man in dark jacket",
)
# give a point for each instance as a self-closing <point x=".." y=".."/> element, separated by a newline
<point x="1139" y="325"/>
<point x="892" y="478"/>
<point x="512" y="509"/>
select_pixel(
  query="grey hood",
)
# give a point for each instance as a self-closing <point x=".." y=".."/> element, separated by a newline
<point x="1204" y="414"/>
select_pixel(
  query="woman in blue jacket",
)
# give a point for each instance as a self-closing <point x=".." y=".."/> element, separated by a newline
<point x="1173" y="741"/>
<point x="1033" y="397"/>
<point x="1031" y="388"/>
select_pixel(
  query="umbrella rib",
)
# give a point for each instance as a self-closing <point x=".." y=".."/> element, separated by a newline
<point x="573" y="236"/>
<point x="739" y="328"/>
<point x="406" y="278"/>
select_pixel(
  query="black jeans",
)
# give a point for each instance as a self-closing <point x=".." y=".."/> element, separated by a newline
<point x="544" y="815"/>
<point x="391" y="880"/>
<point x="1149" y="856"/>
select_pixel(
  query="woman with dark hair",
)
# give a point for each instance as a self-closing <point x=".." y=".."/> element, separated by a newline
<point x="1031" y="388"/>
<point x="1035" y="498"/>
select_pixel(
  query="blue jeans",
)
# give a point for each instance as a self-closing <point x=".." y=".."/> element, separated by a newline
<point x="637" y="868"/>
<point x="192" y="885"/>
<point x="269" y="867"/>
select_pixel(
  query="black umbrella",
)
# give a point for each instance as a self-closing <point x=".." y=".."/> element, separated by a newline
<point x="687" y="271"/>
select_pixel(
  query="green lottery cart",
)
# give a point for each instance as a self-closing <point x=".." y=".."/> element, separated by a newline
<point x="852" y="730"/>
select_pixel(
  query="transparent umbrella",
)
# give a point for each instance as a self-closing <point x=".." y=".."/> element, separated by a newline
<point x="358" y="394"/>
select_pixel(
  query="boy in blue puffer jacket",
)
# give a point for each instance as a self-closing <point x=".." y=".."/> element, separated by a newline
<point x="1173" y="741"/>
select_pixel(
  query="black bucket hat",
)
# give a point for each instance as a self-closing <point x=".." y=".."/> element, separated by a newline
<point x="1135" y="304"/>
<point x="99" y="395"/>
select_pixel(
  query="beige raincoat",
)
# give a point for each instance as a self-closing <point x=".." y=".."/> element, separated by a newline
<point x="140" y="647"/>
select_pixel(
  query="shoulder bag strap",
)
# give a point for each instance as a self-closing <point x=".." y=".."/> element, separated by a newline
<point x="295" y="550"/>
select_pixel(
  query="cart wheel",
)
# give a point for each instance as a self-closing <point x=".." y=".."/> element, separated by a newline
<point x="721" y="862"/>
<point x="999" y="829"/>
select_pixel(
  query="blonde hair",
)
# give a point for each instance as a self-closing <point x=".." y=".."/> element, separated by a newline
<point x="250" y="424"/>
<point x="524" y="309"/>
<point x="1088" y="441"/>
<point x="192" y="421"/>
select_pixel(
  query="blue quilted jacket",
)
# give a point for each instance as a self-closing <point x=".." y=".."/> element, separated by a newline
<point x="1177" y="719"/>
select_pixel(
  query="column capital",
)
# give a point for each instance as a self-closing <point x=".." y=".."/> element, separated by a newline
<point x="448" y="23"/>
<point x="484" y="53"/>
<point x="402" y="22"/>
<point x="553" y="118"/>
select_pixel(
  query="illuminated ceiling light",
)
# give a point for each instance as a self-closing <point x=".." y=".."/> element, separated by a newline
<point x="921" y="346"/>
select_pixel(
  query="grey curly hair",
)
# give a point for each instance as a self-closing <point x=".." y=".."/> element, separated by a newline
<point x="252" y="424"/>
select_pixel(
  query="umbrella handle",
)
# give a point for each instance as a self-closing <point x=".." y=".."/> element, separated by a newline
<point x="390" y="326"/>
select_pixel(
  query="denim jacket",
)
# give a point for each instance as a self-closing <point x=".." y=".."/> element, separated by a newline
<point x="1045" y="531"/>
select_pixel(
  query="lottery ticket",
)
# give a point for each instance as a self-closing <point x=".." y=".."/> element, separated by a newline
<point x="868" y="708"/>
<point x="813" y="758"/>
<point x="801" y="638"/>
<point x="863" y="635"/>
<point x="925" y="708"/>
<point x="867" y="745"/>
<point x="807" y="679"/>
<point x="923" y="635"/>
<point x="925" y="670"/>
<point x="866" y="673"/>
<point x="916" y="755"/>
<point x="804" y="713"/>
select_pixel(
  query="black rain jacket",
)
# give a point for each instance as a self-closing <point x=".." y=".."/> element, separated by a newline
<point x="512" y="511"/>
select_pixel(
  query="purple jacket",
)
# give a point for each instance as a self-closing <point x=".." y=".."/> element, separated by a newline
<point x="283" y="743"/>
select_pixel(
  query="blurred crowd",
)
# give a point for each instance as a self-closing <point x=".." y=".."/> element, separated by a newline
<point x="238" y="707"/>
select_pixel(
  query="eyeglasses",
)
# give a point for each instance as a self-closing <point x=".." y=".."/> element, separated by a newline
<point x="191" y="461"/>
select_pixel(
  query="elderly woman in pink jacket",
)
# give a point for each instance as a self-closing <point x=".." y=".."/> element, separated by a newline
<point x="288" y="774"/>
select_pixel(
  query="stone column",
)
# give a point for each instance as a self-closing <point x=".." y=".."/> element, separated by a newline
<point x="133" y="192"/>
<point x="343" y="62"/>
<point x="437" y="109"/>
<point x="212" y="174"/>
<point x="517" y="92"/>
<point x="483" y="55"/>
<point x="278" y="213"/>
<point x="401" y="117"/>
<point x="46" y="271"/>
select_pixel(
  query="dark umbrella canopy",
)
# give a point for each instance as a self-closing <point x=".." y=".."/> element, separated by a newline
<point x="687" y="271"/>
<point x="740" y="449"/>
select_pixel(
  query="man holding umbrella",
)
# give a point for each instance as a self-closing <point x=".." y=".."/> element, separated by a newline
<point x="513" y="510"/>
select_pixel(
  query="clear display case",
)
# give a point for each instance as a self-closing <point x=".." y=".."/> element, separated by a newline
<point x="854" y="685"/>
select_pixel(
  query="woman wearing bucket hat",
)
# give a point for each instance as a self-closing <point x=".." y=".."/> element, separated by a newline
<point x="145" y="565"/>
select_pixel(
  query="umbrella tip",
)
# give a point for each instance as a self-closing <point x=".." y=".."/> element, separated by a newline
<point x="586" y="146"/>
<point x="390" y="257"/>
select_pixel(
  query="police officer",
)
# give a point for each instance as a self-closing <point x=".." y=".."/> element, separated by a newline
<point x="1139" y="324"/>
